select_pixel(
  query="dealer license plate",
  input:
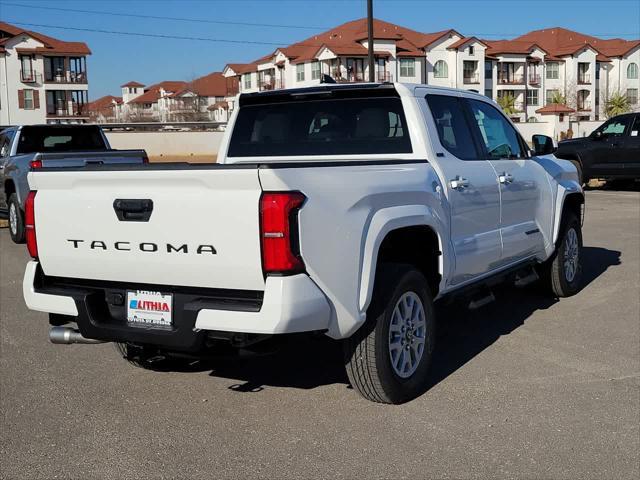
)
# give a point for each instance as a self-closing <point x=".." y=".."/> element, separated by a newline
<point x="149" y="308"/>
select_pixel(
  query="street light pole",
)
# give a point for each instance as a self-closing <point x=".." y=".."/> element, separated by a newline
<point x="372" y="75"/>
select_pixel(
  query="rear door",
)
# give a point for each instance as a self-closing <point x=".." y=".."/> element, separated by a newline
<point x="632" y="149"/>
<point x="524" y="189"/>
<point x="471" y="186"/>
<point x="159" y="225"/>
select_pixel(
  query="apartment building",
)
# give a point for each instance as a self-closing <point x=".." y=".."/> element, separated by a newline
<point x="203" y="99"/>
<point x="532" y="68"/>
<point x="42" y="79"/>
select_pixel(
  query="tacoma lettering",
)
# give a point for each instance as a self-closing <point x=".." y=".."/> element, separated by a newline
<point x="147" y="247"/>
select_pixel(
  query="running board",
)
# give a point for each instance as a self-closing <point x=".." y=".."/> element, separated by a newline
<point x="481" y="301"/>
<point x="526" y="278"/>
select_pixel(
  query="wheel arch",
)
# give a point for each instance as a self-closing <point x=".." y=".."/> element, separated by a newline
<point x="415" y="228"/>
<point x="571" y="201"/>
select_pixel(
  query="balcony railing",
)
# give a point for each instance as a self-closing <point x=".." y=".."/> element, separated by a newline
<point x="534" y="79"/>
<point x="584" y="79"/>
<point x="470" y="79"/>
<point x="510" y="79"/>
<point x="62" y="110"/>
<point x="272" y="84"/>
<point x="66" y="77"/>
<point x="584" y="106"/>
<point x="361" y="77"/>
<point x="31" y="76"/>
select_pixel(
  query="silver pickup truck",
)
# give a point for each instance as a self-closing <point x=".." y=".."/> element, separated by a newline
<point x="25" y="148"/>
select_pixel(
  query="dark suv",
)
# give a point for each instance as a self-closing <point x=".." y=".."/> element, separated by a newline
<point x="612" y="151"/>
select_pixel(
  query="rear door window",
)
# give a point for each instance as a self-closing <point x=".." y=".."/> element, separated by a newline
<point x="347" y="126"/>
<point x="452" y="125"/>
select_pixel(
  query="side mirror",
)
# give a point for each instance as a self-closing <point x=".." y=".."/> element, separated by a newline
<point x="597" y="135"/>
<point x="542" y="145"/>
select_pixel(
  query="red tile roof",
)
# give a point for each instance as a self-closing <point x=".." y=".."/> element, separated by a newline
<point x="558" y="42"/>
<point x="51" y="45"/>
<point x="241" y="68"/>
<point x="103" y="104"/>
<point x="212" y="85"/>
<point x="554" y="108"/>
<point x="132" y="84"/>
<point x="152" y="94"/>
<point x="463" y="41"/>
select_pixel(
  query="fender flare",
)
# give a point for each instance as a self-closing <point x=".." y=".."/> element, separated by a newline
<point x="564" y="191"/>
<point x="385" y="221"/>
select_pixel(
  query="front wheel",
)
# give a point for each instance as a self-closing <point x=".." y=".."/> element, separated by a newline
<point x="387" y="359"/>
<point x="563" y="272"/>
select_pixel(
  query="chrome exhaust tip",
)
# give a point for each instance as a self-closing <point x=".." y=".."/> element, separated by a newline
<point x="67" y="336"/>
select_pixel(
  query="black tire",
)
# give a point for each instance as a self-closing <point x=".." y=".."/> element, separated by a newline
<point x="555" y="275"/>
<point x="16" y="229"/>
<point x="153" y="360"/>
<point x="367" y="352"/>
<point x="578" y="166"/>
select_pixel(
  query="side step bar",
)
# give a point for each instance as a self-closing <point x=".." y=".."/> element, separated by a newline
<point x="481" y="301"/>
<point x="67" y="336"/>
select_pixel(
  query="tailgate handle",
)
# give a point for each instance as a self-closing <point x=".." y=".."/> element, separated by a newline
<point x="133" y="210"/>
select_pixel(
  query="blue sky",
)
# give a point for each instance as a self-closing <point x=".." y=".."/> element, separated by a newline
<point x="117" y="58"/>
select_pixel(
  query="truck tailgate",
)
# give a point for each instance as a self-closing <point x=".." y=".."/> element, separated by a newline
<point x="203" y="229"/>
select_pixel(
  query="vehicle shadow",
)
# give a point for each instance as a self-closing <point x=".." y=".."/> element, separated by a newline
<point x="310" y="362"/>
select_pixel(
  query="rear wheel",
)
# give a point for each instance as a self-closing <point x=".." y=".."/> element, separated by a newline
<point x="16" y="219"/>
<point x="387" y="359"/>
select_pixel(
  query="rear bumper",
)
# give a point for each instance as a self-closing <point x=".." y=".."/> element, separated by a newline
<point x="288" y="305"/>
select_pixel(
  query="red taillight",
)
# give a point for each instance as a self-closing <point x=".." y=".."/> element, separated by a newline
<point x="30" y="224"/>
<point x="35" y="164"/>
<point x="279" y="240"/>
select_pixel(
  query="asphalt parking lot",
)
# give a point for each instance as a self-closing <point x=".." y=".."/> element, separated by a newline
<point x="527" y="387"/>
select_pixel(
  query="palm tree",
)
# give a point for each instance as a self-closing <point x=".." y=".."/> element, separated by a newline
<point x="617" y="104"/>
<point x="558" y="98"/>
<point x="508" y="104"/>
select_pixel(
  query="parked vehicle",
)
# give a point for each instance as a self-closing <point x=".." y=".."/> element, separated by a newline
<point x="345" y="210"/>
<point x="32" y="146"/>
<point x="612" y="151"/>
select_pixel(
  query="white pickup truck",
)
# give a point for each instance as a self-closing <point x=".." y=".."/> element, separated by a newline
<point x="345" y="210"/>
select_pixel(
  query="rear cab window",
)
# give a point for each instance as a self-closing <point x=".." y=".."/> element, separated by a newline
<point x="60" y="139"/>
<point x="333" y="123"/>
<point x="452" y="126"/>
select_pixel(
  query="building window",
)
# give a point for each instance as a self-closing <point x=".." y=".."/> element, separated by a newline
<point x="300" y="72"/>
<point x="632" y="71"/>
<point x="407" y="67"/>
<point x="315" y="70"/>
<point x="488" y="70"/>
<point x="26" y="72"/>
<point x="247" y="81"/>
<point x="471" y="50"/>
<point x="553" y="70"/>
<point x="488" y="93"/>
<point x="441" y="69"/>
<point x="28" y="99"/>
<point x="532" y="98"/>
<point x="632" y="95"/>
<point x="550" y="95"/>
<point x="54" y="68"/>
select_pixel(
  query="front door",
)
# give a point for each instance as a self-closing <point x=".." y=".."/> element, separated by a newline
<point x="524" y="189"/>
<point x="470" y="186"/>
<point x="607" y="151"/>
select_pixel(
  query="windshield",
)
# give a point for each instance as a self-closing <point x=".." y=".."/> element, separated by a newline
<point x="321" y="127"/>
<point x="71" y="138"/>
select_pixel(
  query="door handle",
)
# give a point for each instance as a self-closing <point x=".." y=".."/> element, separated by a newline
<point x="505" y="178"/>
<point x="459" y="183"/>
<point x="133" y="210"/>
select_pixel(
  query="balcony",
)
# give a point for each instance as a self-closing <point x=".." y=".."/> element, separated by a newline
<point x="272" y="84"/>
<point x="66" y="77"/>
<point x="534" y="79"/>
<point x="516" y="79"/>
<point x="30" y="76"/>
<point x="471" y="79"/>
<point x="61" y="110"/>
<point x="584" y="79"/>
<point x="380" y="77"/>
<point x="584" y="106"/>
